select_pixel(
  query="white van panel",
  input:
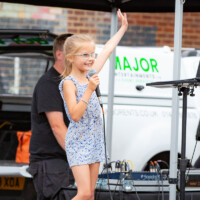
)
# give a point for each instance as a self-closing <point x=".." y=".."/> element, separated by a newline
<point x="137" y="66"/>
<point x="142" y="119"/>
<point x="141" y="132"/>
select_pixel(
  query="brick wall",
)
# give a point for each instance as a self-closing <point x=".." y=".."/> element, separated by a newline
<point x="98" y="25"/>
<point x="33" y="17"/>
<point x="145" y="29"/>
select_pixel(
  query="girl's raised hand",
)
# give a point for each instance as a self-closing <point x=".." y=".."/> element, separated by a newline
<point x="122" y="18"/>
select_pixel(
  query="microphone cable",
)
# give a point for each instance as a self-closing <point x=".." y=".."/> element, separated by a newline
<point x="118" y="181"/>
<point x="191" y="160"/>
<point x="98" y="192"/>
<point x="160" y="185"/>
<point x="158" y="175"/>
<point x="163" y="197"/>
<point x="121" y="178"/>
<point x="106" y="158"/>
<point x="162" y="161"/>
<point x="134" y="186"/>
<point x="91" y="73"/>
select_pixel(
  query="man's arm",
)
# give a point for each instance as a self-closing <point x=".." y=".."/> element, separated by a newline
<point x="58" y="126"/>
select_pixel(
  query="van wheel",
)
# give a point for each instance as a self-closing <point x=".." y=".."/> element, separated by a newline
<point x="161" y="158"/>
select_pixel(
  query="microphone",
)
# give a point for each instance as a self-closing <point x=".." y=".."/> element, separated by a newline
<point x="98" y="93"/>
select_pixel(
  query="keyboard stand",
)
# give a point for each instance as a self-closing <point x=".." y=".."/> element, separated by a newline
<point x="184" y="89"/>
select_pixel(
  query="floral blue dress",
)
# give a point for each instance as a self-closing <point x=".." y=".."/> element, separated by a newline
<point x="84" y="142"/>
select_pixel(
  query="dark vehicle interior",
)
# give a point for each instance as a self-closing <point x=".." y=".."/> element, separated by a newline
<point x="24" y="56"/>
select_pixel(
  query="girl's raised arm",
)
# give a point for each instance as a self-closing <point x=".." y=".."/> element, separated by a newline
<point x="112" y="43"/>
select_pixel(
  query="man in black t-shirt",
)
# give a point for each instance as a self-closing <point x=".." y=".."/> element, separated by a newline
<point x="48" y="162"/>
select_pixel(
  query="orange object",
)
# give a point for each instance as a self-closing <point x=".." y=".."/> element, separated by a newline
<point x="22" y="153"/>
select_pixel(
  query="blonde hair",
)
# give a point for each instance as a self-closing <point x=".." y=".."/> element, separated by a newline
<point x="71" y="46"/>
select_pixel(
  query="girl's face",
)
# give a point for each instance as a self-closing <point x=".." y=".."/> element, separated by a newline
<point x="84" y="58"/>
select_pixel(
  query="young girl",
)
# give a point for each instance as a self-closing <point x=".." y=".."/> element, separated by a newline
<point x="85" y="138"/>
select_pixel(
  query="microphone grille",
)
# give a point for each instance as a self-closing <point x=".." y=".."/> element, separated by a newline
<point x="92" y="72"/>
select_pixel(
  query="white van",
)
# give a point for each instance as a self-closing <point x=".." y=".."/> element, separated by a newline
<point x="141" y="114"/>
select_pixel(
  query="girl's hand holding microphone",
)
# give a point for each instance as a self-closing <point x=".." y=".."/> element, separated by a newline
<point x="93" y="82"/>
